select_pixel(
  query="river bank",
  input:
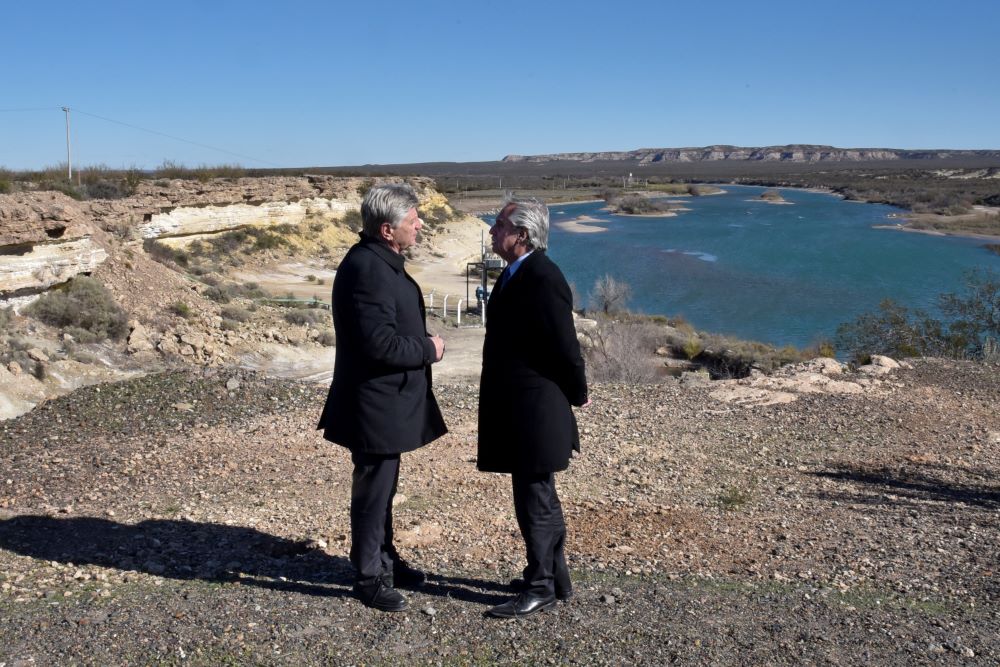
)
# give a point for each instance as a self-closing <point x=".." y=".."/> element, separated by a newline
<point x="968" y="225"/>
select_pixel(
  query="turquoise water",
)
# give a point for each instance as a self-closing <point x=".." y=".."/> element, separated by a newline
<point x="778" y="274"/>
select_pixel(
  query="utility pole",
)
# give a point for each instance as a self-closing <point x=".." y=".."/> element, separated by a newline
<point x="69" y="152"/>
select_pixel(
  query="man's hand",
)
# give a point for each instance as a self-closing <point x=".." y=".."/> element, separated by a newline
<point x="438" y="347"/>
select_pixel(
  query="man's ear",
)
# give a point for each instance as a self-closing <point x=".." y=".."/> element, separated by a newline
<point x="385" y="230"/>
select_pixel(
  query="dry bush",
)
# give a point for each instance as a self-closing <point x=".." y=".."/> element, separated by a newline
<point x="610" y="295"/>
<point x="82" y="305"/>
<point x="622" y="351"/>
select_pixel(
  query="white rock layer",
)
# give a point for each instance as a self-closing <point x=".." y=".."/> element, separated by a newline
<point x="48" y="264"/>
<point x="201" y="220"/>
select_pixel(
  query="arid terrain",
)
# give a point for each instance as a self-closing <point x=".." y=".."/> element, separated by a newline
<point x="165" y="499"/>
<point x="199" y="519"/>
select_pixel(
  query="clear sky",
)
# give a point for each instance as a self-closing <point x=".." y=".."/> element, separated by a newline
<point x="344" y="83"/>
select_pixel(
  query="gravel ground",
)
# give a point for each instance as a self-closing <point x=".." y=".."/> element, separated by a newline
<point x="198" y="519"/>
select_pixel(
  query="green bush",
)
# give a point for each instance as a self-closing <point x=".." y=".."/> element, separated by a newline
<point x="971" y="319"/>
<point x="181" y="309"/>
<point x="83" y="304"/>
<point x="692" y="347"/>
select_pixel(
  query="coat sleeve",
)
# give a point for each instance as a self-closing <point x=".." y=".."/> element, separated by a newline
<point x="373" y="302"/>
<point x="559" y="345"/>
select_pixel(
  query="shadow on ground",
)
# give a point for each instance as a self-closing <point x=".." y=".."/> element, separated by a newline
<point x="906" y="484"/>
<point x="206" y="551"/>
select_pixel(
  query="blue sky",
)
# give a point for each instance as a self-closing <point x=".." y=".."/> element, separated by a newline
<point x="344" y="83"/>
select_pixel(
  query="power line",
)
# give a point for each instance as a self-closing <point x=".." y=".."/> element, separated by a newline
<point x="146" y="129"/>
<point x="168" y="136"/>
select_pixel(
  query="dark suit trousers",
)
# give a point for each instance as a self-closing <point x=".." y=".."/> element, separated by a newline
<point x="540" y="518"/>
<point x="372" y="489"/>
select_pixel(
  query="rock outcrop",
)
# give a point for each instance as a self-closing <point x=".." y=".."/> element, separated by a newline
<point x="790" y="153"/>
<point x="34" y="267"/>
<point x="46" y="237"/>
<point x="189" y="220"/>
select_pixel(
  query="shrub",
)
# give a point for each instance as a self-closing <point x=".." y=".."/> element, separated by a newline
<point x="327" y="338"/>
<point x="826" y="349"/>
<point x="610" y="295"/>
<point x="230" y="325"/>
<point x="266" y="239"/>
<point x="236" y="313"/>
<point x="217" y="294"/>
<point x="734" y="497"/>
<point x="105" y="190"/>
<point x="692" y="347"/>
<point x="182" y="309"/>
<point x="353" y="221"/>
<point x="164" y="254"/>
<point x="5" y="186"/>
<point x="6" y="315"/>
<point x="896" y="331"/>
<point x="622" y="352"/>
<point x="305" y="316"/>
<point x="84" y="304"/>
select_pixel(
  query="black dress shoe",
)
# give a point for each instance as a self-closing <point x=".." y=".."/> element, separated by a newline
<point x="524" y="604"/>
<point x="562" y="592"/>
<point x="378" y="595"/>
<point x="405" y="576"/>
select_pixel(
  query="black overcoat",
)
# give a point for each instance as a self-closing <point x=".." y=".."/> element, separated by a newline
<point x="380" y="400"/>
<point x="532" y="372"/>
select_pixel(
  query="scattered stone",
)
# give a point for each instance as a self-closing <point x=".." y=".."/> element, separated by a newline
<point x="138" y="339"/>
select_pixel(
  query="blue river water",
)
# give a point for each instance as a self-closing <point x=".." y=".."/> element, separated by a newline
<point x="781" y="274"/>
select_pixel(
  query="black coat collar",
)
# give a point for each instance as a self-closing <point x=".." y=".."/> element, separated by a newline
<point x="392" y="258"/>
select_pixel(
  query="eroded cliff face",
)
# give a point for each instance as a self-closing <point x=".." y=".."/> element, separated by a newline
<point x="46" y="238"/>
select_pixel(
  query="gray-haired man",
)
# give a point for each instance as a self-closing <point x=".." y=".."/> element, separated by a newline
<point x="380" y="402"/>
<point x="532" y="373"/>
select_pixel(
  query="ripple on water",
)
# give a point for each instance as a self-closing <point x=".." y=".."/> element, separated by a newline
<point x="703" y="256"/>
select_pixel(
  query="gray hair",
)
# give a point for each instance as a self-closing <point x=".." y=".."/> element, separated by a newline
<point x="389" y="202"/>
<point x="533" y="216"/>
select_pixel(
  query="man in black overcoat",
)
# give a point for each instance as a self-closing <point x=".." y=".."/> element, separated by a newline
<point x="532" y="373"/>
<point x="380" y="402"/>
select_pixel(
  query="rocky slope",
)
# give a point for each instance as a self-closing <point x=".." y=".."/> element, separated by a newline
<point x="790" y="153"/>
<point x="179" y="314"/>
<point x="199" y="519"/>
